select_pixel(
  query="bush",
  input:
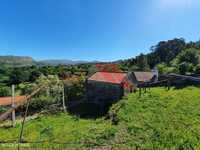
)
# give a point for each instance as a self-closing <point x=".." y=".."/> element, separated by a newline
<point x="25" y="88"/>
<point x="189" y="56"/>
<point x="185" y="67"/>
<point x="42" y="102"/>
<point x="2" y="109"/>
<point x="5" y="91"/>
<point x="197" y="68"/>
<point x="164" y="68"/>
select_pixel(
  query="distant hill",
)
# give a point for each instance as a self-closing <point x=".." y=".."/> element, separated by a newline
<point x="16" y="61"/>
<point x="20" y="61"/>
<point x="55" y="62"/>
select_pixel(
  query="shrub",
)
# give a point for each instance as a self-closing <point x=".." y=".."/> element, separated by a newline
<point x="197" y="68"/>
<point x="2" y="109"/>
<point x="164" y="68"/>
<point x="185" y="67"/>
<point x="189" y="56"/>
<point x="5" y="91"/>
<point x="42" y="102"/>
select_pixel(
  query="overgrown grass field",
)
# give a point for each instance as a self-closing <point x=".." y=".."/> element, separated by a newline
<point x="160" y="119"/>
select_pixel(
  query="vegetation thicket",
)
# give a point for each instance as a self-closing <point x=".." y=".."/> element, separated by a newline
<point x="174" y="55"/>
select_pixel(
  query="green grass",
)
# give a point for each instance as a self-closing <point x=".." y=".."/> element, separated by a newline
<point x="160" y="119"/>
<point x="60" y="129"/>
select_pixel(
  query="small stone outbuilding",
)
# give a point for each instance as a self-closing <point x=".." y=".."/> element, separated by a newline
<point x="109" y="86"/>
<point x="144" y="77"/>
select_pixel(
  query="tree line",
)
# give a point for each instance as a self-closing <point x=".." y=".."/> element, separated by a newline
<point x="174" y="55"/>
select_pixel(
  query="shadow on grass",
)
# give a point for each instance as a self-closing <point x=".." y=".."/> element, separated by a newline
<point x="89" y="110"/>
<point x="6" y="126"/>
<point x="186" y="83"/>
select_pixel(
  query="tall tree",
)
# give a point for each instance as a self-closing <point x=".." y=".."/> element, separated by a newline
<point x="18" y="76"/>
<point x="142" y="62"/>
<point x="165" y="51"/>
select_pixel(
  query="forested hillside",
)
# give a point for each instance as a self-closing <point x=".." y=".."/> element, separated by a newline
<point x="169" y="56"/>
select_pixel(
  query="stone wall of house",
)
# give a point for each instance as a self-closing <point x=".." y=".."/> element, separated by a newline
<point x="130" y="83"/>
<point x="103" y="92"/>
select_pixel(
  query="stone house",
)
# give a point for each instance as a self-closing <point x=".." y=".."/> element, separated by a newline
<point x="109" y="86"/>
<point x="144" y="77"/>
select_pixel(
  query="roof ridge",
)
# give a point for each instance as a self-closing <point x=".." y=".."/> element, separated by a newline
<point x="110" y="77"/>
<point x="110" y="72"/>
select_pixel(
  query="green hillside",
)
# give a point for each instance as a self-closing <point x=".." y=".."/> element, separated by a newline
<point x="171" y="56"/>
<point x="160" y="119"/>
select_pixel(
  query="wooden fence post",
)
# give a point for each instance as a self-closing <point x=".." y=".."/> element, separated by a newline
<point x="23" y="122"/>
<point x="140" y="91"/>
<point x="13" y="105"/>
<point x="63" y="98"/>
<point x="168" y="85"/>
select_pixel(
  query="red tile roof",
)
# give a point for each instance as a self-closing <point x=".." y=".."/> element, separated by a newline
<point x="8" y="100"/>
<point x="108" y="77"/>
<point x="143" y="76"/>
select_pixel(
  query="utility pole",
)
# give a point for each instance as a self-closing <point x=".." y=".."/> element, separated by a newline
<point x="63" y="98"/>
<point x="13" y="105"/>
<point x="145" y="89"/>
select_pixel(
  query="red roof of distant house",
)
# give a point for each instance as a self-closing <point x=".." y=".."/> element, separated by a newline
<point x="108" y="77"/>
<point x="108" y="67"/>
<point x="143" y="76"/>
<point x="4" y="101"/>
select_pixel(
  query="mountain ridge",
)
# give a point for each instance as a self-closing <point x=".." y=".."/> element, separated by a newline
<point x="20" y="61"/>
<point x="55" y="62"/>
<point x="16" y="61"/>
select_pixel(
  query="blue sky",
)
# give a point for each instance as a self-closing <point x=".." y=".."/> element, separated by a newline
<point x="93" y="29"/>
